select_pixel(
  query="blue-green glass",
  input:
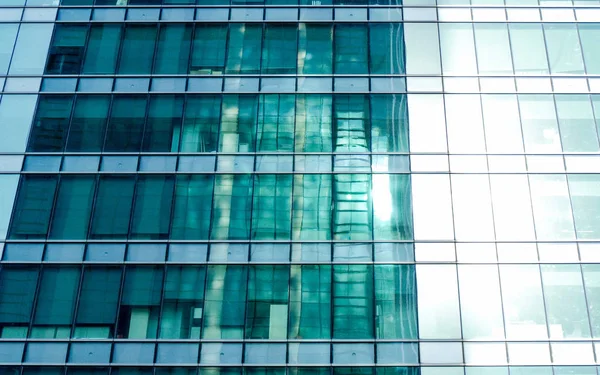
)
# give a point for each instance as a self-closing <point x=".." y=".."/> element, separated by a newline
<point x="353" y="307"/>
<point x="232" y="207"/>
<point x="271" y="210"/>
<point x="73" y="207"/>
<point x="267" y="308"/>
<point x="310" y="302"/>
<point x="33" y="207"/>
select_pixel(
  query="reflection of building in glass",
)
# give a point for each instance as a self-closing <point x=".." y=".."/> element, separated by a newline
<point x="299" y="189"/>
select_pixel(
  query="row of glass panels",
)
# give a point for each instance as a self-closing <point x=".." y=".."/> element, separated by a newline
<point x="212" y="302"/>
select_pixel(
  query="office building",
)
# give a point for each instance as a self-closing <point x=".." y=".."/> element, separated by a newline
<point x="299" y="188"/>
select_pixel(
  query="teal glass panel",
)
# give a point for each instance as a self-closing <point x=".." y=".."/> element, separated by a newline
<point x="310" y="302"/>
<point x="8" y="36"/>
<point x="267" y="308"/>
<point x="102" y="49"/>
<point x="88" y="125"/>
<point x="272" y="207"/>
<point x="97" y="309"/>
<point x="402" y="371"/>
<point x="528" y="48"/>
<point x="238" y="123"/>
<point x="126" y="124"/>
<point x="493" y="48"/>
<point x="566" y="308"/>
<point x="173" y="51"/>
<point x="137" y="49"/>
<point x="152" y="208"/>
<point x="591" y="280"/>
<point x="386" y="52"/>
<point x="584" y="190"/>
<point x="73" y="207"/>
<point x="232" y="207"/>
<point x="193" y="202"/>
<point x="564" y="51"/>
<point x="589" y="34"/>
<point x="315" y="48"/>
<point x="279" y="52"/>
<point x="576" y="122"/>
<point x="140" y="302"/>
<point x="66" y="50"/>
<point x="208" y="55"/>
<point x="113" y="207"/>
<point x="31" y="216"/>
<point x="351" y="123"/>
<point x="225" y="302"/>
<point x="51" y="123"/>
<point x="389" y="123"/>
<point x="163" y="124"/>
<point x="353" y="309"/>
<point x="181" y="316"/>
<point x="313" y="123"/>
<point x="392" y="210"/>
<point x="200" y="131"/>
<point x="311" y="218"/>
<point x="539" y="123"/>
<point x="244" y="48"/>
<point x="55" y="305"/>
<point x="17" y="291"/>
<point x="351" y="49"/>
<point x="276" y="123"/>
<point x="352" y="213"/>
<point x="551" y="207"/>
<point x="396" y="302"/>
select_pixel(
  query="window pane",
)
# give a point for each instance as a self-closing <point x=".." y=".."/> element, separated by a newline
<point x="193" y="198"/>
<point x="493" y="49"/>
<point x="276" y="123"/>
<point x="201" y="124"/>
<point x="97" y="309"/>
<point x="267" y="309"/>
<point x="137" y="49"/>
<point x="353" y="301"/>
<point x="49" y="129"/>
<point x="310" y="302"/>
<point x="312" y="207"/>
<point x="173" y="52"/>
<point x="551" y="207"/>
<point x="313" y="123"/>
<point x="591" y="278"/>
<point x="351" y="49"/>
<point x="392" y="211"/>
<point x="113" y="207"/>
<point x="33" y="207"/>
<point x="540" y="128"/>
<point x="238" y="123"/>
<point x="126" y="124"/>
<point x="351" y="123"/>
<point x="8" y="36"/>
<point x="315" y="49"/>
<point x="584" y="190"/>
<point x="396" y="302"/>
<point x="73" y="207"/>
<point x="577" y="125"/>
<point x="152" y="210"/>
<point x="565" y="301"/>
<point x="271" y="213"/>
<point x="225" y="302"/>
<point x="352" y="207"/>
<point x="163" y="124"/>
<point x="88" y="125"/>
<point x="27" y="60"/>
<point x="232" y="205"/>
<point x="389" y="123"/>
<point x="183" y="302"/>
<point x="17" y="289"/>
<point x="56" y="297"/>
<point x="589" y="35"/>
<point x="564" y="51"/>
<point x="279" y="49"/>
<point x="244" y="48"/>
<point x="103" y="48"/>
<point x="208" y="56"/>
<point x="140" y="302"/>
<point x="458" y="49"/>
<point x="66" y="51"/>
<point x="386" y="48"/>
<point x="528" y="48"/>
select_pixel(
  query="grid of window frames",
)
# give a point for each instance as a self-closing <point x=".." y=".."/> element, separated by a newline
<point x="157" y="225"/>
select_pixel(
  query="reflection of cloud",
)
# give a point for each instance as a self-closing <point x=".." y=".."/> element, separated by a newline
<point x="382" y="198"/>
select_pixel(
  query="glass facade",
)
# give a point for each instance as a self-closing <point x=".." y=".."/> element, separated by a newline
<point x="284" y="187"/>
